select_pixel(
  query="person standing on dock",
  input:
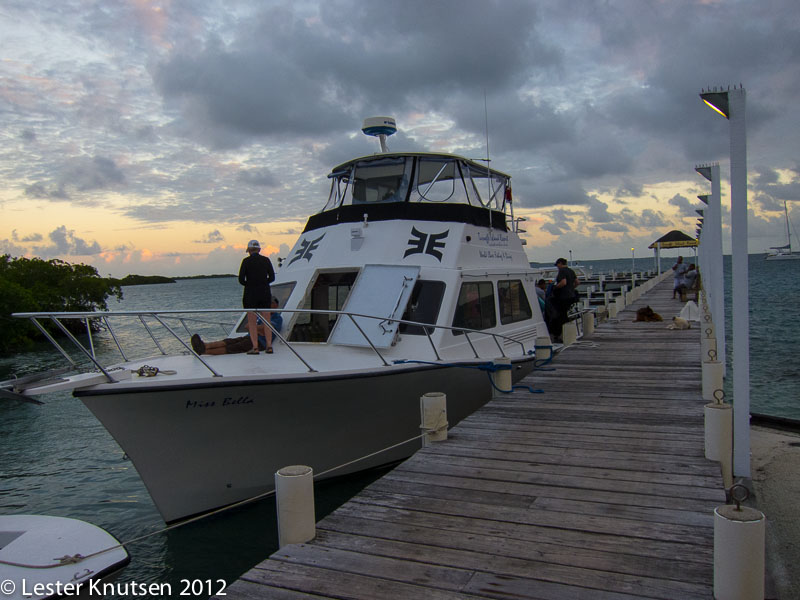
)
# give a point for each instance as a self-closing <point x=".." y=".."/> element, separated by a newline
<point x="564" y="295"/>
<point x="255" y="274"/>
<point x="680" y="269"/>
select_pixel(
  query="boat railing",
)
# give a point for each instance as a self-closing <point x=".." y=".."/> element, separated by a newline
<point x="186" y="317"/>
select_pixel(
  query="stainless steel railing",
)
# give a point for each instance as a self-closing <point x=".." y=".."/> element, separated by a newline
<point x="182" y="316"/>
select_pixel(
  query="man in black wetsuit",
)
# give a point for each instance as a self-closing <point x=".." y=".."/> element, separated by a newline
<point x="255" y="274"/>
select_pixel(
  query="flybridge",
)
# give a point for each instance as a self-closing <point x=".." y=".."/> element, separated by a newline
<point x="416" y="186"/>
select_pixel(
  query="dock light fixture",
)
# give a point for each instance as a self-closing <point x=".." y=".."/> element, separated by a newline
<point x="730" y="103"/>
<point x="718" y="101"/>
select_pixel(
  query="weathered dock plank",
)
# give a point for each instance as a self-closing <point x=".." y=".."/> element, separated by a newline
<point x="597" y="488"/>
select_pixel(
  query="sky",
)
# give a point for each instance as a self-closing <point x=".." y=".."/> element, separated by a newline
<point x="158" y="137"/>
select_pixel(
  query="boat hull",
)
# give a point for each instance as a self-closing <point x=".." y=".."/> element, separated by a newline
<point x="200" y="448"/>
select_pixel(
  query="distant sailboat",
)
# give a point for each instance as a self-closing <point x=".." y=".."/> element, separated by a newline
<point x="784" y="252"/>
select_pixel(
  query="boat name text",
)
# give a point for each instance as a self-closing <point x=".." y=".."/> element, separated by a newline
<point x="227" y="401"/>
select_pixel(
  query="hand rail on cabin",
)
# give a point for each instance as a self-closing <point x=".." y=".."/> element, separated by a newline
<point x="157" y="315"/>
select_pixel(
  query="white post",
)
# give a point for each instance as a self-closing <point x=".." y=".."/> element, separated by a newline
<point x="433" y="412"/>
<point x="543" y="348"/>
<point x="569" y="332"/>
<point x="713" y="277"/>
<point x="739" y="535"/>
<point x="740" y="299"/>
<point x="588" y="323"/>
<point x="294" y="497"/>
<point x="501" y="378"/>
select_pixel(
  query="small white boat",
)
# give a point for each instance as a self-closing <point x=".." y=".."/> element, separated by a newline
<point x="784" y="252"/>
<point x="47" y="557"/>
<point x="412" y="279"/>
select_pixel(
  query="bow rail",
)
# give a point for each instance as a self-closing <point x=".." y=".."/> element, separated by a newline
<point x="197" y="316"/>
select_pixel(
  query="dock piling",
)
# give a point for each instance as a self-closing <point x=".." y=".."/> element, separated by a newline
<point x="294" y="496"/>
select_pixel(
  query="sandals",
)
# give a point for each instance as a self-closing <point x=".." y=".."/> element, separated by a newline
<point x="268" y="350"/>
<point x="253" y="351"/>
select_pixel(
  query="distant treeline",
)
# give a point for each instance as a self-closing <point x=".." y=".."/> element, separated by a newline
<point x="148" y="279"/>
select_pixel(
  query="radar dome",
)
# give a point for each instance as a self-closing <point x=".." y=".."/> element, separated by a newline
<point x="381" y="127"/>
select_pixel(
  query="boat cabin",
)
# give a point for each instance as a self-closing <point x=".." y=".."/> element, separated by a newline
<point x="420" y="237"/>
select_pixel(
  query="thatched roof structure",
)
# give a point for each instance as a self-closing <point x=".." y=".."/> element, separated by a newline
<point x="674" y="239"/>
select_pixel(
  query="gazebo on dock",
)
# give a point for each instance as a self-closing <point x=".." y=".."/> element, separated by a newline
<point x="673" y="239"/>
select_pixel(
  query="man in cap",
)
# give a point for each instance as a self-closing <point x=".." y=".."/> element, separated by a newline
<point x="255" y="274"/>
<point x="564" y="295"/>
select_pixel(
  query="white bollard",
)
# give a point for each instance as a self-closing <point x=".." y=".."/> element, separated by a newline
<point x="569" y="333"/>
<point x="718" y="430"/>
<point x="612" y="310"/>
<point x="544" y="348"/>
<point x="588" y="323"/>
<point x="294" y="498"/>
<point x="712" y="378"/>
<point x="433" y="414"/>
<point x="708" y="348"/>
<point x="738" y="553"/>
<point x="501" y="378"/>
<point x="620" y="303"/>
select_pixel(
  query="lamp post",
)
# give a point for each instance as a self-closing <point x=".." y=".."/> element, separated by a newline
<point x="633" y="268"/>
<point x="730" y="104"/>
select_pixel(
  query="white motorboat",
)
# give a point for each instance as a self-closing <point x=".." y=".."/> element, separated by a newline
<point x="784" y="252"/>
<point x="412" y="279"/>
<point x="46" y="557"/>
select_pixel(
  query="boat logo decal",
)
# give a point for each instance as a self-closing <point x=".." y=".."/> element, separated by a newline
<point x="426" y="243"/>
<point x="306" y="249"/>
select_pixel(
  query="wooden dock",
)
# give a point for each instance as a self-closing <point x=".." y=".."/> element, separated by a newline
<point x="596" y="488"/>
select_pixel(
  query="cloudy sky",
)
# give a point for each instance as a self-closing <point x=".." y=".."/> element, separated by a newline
<point x="159" y="136"/>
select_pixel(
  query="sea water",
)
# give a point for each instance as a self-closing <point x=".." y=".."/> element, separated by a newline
<point x="58" y="460"/>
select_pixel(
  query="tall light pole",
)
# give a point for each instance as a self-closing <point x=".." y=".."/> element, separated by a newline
<point x="730" y="104"/>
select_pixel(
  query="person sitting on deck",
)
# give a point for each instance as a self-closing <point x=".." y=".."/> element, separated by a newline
<point x="691" y="282"/>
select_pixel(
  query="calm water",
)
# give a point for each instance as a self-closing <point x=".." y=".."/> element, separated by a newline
<point x="57" y="459"/>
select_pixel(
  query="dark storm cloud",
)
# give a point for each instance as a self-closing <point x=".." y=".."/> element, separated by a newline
<point x="551" y="193"/>
<point x="258" y="177"/>
<point x="282" y="76"/>
<point x="559" y="222"/>
<point x="80" y="174"/>
<point x="66" y="243"/>
<point x="212" y="237"/>
<point x="92" y="174"/>
<point x="685" y="206"/>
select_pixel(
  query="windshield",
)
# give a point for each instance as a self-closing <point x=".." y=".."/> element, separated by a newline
<point x="416" y="178"/>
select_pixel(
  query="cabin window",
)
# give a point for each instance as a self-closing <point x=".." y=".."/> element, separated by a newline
<point x="475" y="308"/>
<point x="282" y="291"/>
<point x="381" y="180"/>
<point x="435" y="180"/>
<point x="487" y="193"/>
<point x="329" y="292"/>
<point x="513" y="301"/>
<point x="423" y="306"/>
